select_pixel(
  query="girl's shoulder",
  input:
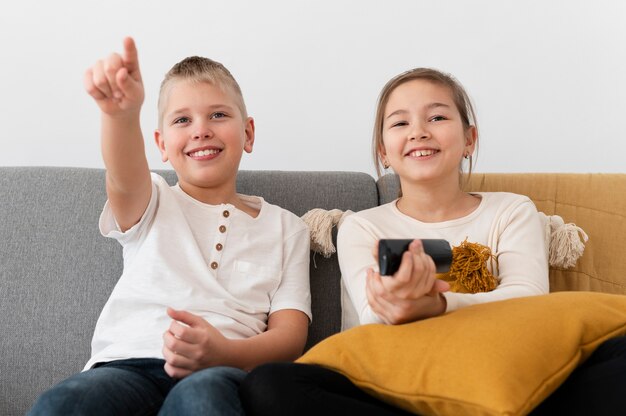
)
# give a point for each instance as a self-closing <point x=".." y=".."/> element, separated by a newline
<point x="373" y="213"/>
<point x="500" y="203"/>
<point x="500" y="198"/>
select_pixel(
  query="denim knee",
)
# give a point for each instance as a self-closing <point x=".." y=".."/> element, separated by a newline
<point x="118" y="387"/>
<point x="213" y="391"/>
<point x="65" y="398"/>
<point x="209" y="380"/>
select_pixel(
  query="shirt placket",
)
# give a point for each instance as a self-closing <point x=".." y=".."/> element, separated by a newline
<point x="223" y="227"/>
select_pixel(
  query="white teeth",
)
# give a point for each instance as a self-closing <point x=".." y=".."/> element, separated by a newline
<point x="205" y="152"/>
<point x="417" y="153"/>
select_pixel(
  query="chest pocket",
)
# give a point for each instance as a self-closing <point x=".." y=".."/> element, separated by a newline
<point x="253" y="284"/>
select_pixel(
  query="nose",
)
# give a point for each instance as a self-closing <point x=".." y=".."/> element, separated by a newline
<point x="203" y="132"/>
<point x="419" y="132"/>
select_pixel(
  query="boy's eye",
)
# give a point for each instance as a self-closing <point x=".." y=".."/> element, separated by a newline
<point x="181" y="120"/>
<point x="437" y="118"/>
<point x="218" y="114"/>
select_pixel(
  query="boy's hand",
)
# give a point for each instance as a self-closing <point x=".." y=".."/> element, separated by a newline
<point x="191" y="344"/>
<point x="412" y="293"/>
<point x="115" y="82"/>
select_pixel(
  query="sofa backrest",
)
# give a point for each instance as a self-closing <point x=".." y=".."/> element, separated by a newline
<point x="596" y="202"/>
<point x="57" y="271"/>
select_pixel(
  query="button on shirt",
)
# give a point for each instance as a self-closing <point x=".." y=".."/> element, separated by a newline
<point x="211" y="260"/>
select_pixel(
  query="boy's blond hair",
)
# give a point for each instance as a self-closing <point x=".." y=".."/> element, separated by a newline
<point x="200" y="69"/>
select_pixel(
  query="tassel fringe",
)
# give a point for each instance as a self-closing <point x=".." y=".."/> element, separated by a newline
<point x="567" y="243"/>
<point x="321" y="223"/>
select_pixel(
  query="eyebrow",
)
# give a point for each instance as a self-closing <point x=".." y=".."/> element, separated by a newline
<point x="211" y="108"/>
<point x="428" y="107"/>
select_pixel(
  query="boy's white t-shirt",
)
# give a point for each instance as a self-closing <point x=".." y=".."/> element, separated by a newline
<point x="506" y="223"/>
<point x="211" y="260"/>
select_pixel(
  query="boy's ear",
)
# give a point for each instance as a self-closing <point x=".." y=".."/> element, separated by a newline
<point x="249" y="131"/>
<point x="158" y="139"/>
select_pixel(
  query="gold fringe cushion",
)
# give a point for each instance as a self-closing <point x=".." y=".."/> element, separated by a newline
<point x="468" y="271"/>
<point x="498" y="358"/>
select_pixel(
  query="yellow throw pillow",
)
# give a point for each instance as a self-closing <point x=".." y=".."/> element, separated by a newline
<point x="497" y="358"/>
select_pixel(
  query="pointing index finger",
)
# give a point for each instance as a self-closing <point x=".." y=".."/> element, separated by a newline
<point x="131" y="60"/>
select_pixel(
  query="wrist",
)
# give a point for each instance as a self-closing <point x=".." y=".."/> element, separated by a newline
<point x="130" y="116"/>
<point x="438" y="305"/>
<point x="443" y="303"/>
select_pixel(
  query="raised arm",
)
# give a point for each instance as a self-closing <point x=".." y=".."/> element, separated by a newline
<point x="116" y="86"/>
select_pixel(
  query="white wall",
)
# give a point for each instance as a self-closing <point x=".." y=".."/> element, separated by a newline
<point x="547" y="77"/>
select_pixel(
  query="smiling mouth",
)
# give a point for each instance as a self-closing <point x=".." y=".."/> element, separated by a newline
<point x="204" y="153"/>
<point x="422" y="153"/>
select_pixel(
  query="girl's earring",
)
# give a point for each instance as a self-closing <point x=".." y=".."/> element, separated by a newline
<point x="467" y="155"/>
<point x="386" y="164"/>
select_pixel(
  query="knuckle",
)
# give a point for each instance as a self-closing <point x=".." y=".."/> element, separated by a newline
<point x="174" y="344"/>
<point x="113" y="61"/>
<point x="100" y="82"/>
<point x="182" y="332"/>
<point x="394" y="318"/>
<point x="93" y="91"/>
<point x="167" y="341"/>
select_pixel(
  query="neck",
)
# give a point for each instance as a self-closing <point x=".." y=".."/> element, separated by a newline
<point x="435" y="202"/>
<point x="225" y="194"/>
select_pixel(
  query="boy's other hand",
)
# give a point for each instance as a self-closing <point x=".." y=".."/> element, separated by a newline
<point x="191" y="344"/>
<point x="115" y="82"/>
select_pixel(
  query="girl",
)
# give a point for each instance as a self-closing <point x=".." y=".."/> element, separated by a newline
<point x="426" y="131"/>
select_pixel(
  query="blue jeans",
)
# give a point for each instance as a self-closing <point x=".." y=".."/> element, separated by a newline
<point x="142" y="387"/>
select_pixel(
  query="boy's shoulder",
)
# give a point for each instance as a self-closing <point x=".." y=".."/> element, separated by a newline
<point x="271" y="213"/>
<point x="161" y="181"/>
<point x="268" y="213"/>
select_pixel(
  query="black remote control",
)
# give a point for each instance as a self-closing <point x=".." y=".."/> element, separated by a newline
<point x="390" y="254"/>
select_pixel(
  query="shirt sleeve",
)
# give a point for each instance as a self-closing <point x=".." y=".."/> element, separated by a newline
<point x="294" y="290"/>
<point x="354" y="250"/>
<point x="109" y="227"/>
<point x="522" y="259"/>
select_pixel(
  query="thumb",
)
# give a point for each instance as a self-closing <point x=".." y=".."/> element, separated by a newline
<point x="185" y="317"/>
<point x="440" y="286"/>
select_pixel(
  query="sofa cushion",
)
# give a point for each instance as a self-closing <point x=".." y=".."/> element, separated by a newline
<point x="489" y="359"/>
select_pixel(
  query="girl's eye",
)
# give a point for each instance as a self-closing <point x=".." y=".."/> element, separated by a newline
<point x="181" y="120"/>
<point x="399" y="124"/>
<point x="437" y="118"/>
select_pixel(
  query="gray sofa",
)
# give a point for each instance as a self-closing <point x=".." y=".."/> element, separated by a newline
<point x="57" y="271"/>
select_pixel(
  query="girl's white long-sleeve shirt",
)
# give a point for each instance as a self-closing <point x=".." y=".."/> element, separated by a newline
<point x="507" y="223"/>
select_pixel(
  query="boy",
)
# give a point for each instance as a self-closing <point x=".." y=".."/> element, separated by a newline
<point x="214" y="282"/>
